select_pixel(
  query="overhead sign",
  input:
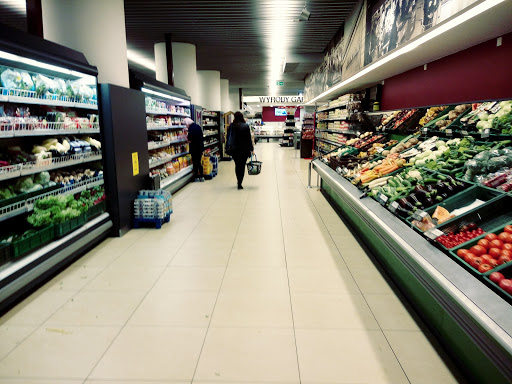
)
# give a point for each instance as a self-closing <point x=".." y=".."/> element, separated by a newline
<point x="274" y="100"/>
<point x="280" y="82"/>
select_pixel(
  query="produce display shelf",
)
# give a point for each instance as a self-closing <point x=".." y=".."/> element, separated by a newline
<point x="375" y="113"/>
<point x="172" y="179"/>
<point x="210" y="144"/>
<point x="336" y="119"/>
<point x="166" y="160"/>
<point x="27" y="205"/>
<point x="24" y="169"/>
<point x="45" y="129"/>
<point x="467" y="317"/>
<point x="163" y="111"/>
<point x="330" y="142"/>
<point x="332" y="108"/>
<point x="30" y="97"/>
<point x="155" y="145"/>
<point x="341" y="132"/>
<point x="17" y="275"/>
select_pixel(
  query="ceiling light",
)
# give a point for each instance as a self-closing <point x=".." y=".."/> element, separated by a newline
<point x="160" y="94"/>
<point x="138" y="59"/>
<point x="304" y="15"/>
<point x="434" y="32"/>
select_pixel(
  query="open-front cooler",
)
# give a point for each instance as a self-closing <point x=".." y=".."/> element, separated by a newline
<point x="421" y="210"/>
<point x="166" y="109"/>
<point x="52" y="200"/>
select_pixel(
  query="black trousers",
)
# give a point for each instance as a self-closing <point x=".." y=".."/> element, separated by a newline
<point x="196" y="163"/>
<point x="240" y="162"/>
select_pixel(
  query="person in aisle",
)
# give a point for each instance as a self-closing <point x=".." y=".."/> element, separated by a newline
<point x="243" y="146"/>
<point x="196" y="147"/>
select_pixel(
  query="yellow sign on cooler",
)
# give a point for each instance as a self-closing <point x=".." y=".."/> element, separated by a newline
<point x="135" y="163"/>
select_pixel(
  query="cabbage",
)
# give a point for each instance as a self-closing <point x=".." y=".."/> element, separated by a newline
<point x="23" y="184"/>
<point x="42" y="178"/>
<point x="483" y="116"/>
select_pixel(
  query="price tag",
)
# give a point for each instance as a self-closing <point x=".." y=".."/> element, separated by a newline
<point x="338" y="170"/>
<point x="393" y="206"/>
<point x="425" y="130"/>
<point x="383" y="198"/>
<point x="485" y="133"/>
<point x="419" y="215"/>
<point x="449" y="132"/>
<point x="464" y="133"/>
<point x="433" y="233"/>
<point x="345" y="170"/>
<point x="380" y="149"/>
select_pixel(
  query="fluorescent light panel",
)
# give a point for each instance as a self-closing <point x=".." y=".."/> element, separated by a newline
<point x="160" y="94"/>
<point x="480" y="8"/>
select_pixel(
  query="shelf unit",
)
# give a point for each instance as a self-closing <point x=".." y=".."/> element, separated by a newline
<point x="59" y="105"/>
<point x="287" y="140"/>
<point x="166" y="108"/>
<point x="307" y="137"/>
<point x="212" y="132"/>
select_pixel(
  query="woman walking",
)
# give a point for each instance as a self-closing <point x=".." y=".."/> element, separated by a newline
<point x="243" y="146"/>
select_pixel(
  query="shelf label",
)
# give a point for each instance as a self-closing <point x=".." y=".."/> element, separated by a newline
<point x="433" y="233"/>
<point x="464" y="133"/>
<point x="393" y="206"/>
<point x="135" y="163"/>
<point x="380" y="149"/>
<point x="425" y="130"/>
<point x="449" y="132"/>
<point x="419" y="215"/>
<point x="485" y="133"/>
<point x="383" y="198"/>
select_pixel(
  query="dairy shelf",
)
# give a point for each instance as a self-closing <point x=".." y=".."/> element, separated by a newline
<point x="164" y="127"/>
<point x="166" y="160"/>
<point x="172" y="179"/>
<point x="164" y="144"/>
<point x="16" y="129"/>
<point x="210" y="144"/>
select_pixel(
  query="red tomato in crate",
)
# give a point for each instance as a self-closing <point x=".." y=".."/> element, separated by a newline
<point x="508" y="229"/>
<point x="496" y="277"/>
<point x="484" y="243"/>
<point x="496" y="243"/>
<point x="506" y="252"/>
<point x="484" y="268"/>
<point x="487" y="258"/>
<point x="462" y="253"/>
<point x="505" y="237"/>
<point x="468" y="258"/>
<point x="491" y="237"/>
<point x="478" y="250"/>
<point x="507" y="246"/>
<point x="494" y="253"/>
<point x="476" y="262"/>
<point x="506" y="285"/>
<point x="504" y="259"/>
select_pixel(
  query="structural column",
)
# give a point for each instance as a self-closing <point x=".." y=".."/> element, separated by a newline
<point x="161" y="63"/>
<point x="225" y="105"/>
<point x="209" y="88"/>
<point x="185" y="70"/>
<point x="94" y="27"/>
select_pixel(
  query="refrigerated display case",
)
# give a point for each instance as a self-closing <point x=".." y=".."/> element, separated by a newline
<point x="417" y="218"/>
<point x="212" y="132"/>
<point x="52" y="202"/>
<point x="166" y="108"/>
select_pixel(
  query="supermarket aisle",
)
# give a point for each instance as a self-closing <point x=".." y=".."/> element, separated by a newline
<point x="254" y="286"/>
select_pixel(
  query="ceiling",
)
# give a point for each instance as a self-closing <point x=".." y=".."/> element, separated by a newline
<point x="236" y="37"/>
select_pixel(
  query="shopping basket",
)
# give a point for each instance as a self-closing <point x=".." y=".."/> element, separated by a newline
<point x="254" y="166"/>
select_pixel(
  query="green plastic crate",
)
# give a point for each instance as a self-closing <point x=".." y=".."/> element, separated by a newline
<point x="444" y="112"/>
<point x="31" y="242"/>
<point x="5" y="253"/>
<point x="96" y="210"/>
<point x="64" y="228"/>
<point x="506" y="270"/>
<point x="472" y="242"/>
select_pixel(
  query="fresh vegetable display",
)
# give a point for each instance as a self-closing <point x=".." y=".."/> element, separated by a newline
<point x="463" y="234"/>
<point x="446" y="120"/>
<point x="490" y="252"/>
<point x="488" y="162"/>
<point x="431" y="114"/>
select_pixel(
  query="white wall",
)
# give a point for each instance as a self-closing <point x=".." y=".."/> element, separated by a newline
<point x="94" y="27"/>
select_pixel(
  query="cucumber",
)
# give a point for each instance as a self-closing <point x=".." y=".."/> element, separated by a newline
<point x="430" y="180"/>
<point x="441" y="177"/>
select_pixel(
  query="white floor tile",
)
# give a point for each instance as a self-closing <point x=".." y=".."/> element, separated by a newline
<point x="12" y="336"/>
<point x="177" y="278"/>
<point x="391" y="314"/>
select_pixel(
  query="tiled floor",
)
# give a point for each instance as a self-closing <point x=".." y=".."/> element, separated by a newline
<point x="264" y="285"/>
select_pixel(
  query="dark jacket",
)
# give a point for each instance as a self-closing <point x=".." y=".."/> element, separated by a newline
<point x="243" y="141"/>
<point x="195" y="136"/>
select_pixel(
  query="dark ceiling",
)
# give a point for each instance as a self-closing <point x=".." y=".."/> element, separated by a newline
<point x="231" y="36"/>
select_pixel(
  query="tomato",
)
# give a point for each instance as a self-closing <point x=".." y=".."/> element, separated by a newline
<point x="461" y="252"/>
<point x="491" y="237"/>
<point x="484" y="243"/>
<point x="493" y="263"/>
<point x="507" y="246"/>
<point x="504" y="259"/>
<point x="506" y="285"/>
<point x="468" y="258"/>
<point x="487" y="258"/>
<point x="496" y="243"/>
<point x="478" y="250"/>
<point x="506" y="252"/>
<point x="505" y="237"/>
<point x="484" y="268"/>
<point x="508" y="229"/>
<point x="494" y="253"/>
<point x="476" y="262"/>
<point x="496" y="277"/>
